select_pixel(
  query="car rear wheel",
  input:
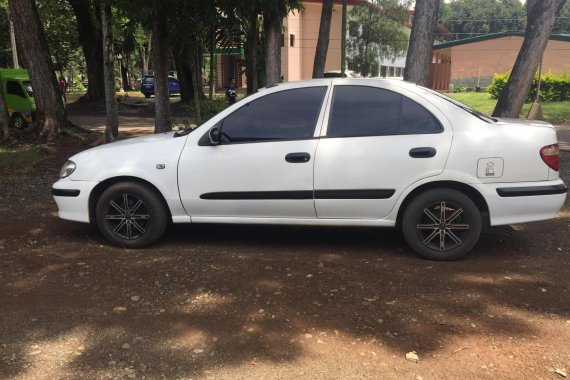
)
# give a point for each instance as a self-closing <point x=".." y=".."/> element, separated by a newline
<point x="147" y="95"/>
<point x="442" y="224"/>
<point x="131" y="215"/>
<point x="18" y="121"/>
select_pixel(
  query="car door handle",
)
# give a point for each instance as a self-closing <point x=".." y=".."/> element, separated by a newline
<point x="298" y="157"/>
<point x="423" y="152"/>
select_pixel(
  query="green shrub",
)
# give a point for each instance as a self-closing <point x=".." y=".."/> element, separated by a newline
<point x="552" y="88"/>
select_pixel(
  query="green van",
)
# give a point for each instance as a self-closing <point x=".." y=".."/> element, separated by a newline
<point x="19" y="96"/>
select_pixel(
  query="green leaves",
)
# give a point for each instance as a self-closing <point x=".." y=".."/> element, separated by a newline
<point x="376" y="31"/>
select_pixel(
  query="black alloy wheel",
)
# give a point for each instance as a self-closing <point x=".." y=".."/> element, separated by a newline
<point x="131" y="214"/>
<point x="442" y="224"/>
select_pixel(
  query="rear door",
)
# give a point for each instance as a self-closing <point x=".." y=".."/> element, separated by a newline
<point x="377" y="142"/>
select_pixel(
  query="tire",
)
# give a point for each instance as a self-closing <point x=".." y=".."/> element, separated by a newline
<point x="144" y="222"/>
<point x="17" y="121"/>
<point x="442" y="236"/>
<point x="147" y="95"/>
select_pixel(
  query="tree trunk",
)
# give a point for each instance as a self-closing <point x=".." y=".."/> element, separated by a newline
<point x="199" y="73"/>
<point x="197" y="79"/>
<point x="251" y="50"/>
<point x="343" y="38"/>
<point x="4" y="117"/>
<point x="125" y="74"/>
<point x="145" y="51"/>
<point x="323" y="41"/>
<point x="91" y="40"/>
<point x="272" y="25"/>
<point x="184" y="71"/>
<point x="541" y="17"/>
<point x="112" y="128"/>
<point x="50" y="112"/>
<point x="420" y="48"/>
<point x="160" y="61"/>
<point x="211" y="68"/>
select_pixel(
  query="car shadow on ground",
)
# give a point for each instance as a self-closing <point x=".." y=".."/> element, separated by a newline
<point x="214" y="296"/>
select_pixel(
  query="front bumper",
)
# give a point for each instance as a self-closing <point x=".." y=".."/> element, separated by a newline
<point x="523" y="202"/>
<point x="72" y="198"/>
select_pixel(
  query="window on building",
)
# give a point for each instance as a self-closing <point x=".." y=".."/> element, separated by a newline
<point x="292" y="40"/>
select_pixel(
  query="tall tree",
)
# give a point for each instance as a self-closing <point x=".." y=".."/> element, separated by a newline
<point x="91" y="38"/>
<point x="323" y="41"/>
<point x="61" y="33"/>
<point x="541" y="18"/>
<point x="4" y="117"/>
<point x="5" y="48"/>
<point x="376" y="31"/>
<point x="272" y="26"/>
<point x="420" y="48"/>
<point x="273" y="14"/>
<point x="161" y="53"/>
<point x="31" y="39"/>
<point x="112" y="128"/>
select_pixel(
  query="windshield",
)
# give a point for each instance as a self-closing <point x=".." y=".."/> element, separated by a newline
<point x="464" y="107"/>
<point x="28" y="86"/>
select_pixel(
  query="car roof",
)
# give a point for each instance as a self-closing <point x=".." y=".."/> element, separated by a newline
<point x="358" y="81"/>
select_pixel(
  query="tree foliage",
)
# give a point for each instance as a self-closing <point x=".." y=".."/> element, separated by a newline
<point x="470" y="18"/>
<point x="376" y="32"/>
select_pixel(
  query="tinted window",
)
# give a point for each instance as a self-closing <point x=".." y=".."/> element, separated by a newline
<point x="369" y="111"/>
<point x="285" y="115"/>
<point x="14" y="88"/>
<point x="29" y="89"/>
<point x="416" y="119"/>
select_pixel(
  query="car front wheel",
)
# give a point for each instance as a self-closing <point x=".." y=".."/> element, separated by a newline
<point x="131" y="215"/>
<point x="18" y="121"/>
<point x="442" y="224"/>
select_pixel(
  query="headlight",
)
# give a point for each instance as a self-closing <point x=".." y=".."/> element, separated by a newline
<point x="67" y="169"/>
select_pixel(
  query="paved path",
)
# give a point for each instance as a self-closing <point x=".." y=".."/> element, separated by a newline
<point x="131" y="125"/>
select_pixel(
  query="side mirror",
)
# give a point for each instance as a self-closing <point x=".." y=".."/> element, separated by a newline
<point x="215" y="135"/>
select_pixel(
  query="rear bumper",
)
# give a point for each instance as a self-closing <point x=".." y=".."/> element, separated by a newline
<point x="72" y="198"/>
<point x="523" y="202"/>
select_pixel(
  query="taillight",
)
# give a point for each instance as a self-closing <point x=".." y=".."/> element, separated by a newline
<point x="550" y="154"/>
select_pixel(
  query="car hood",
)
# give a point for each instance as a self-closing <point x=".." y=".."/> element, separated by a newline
<point x="144" y="142"/>
<point x="126" y="157"/>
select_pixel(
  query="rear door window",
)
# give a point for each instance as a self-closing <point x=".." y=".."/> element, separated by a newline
<point x="370" y="111"/>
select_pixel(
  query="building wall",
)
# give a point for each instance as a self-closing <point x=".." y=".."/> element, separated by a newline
<point x="485" y="58"/>
<point x="297" y="61"/>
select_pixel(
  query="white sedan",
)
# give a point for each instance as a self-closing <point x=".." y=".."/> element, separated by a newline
<point x="332" y="152"/>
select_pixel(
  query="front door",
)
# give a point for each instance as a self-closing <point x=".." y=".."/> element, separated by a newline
<point x="264" y="166"/>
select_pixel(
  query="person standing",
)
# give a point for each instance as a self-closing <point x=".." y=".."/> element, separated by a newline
<point x="231" y="93"/>
<point x="63" y="88"/>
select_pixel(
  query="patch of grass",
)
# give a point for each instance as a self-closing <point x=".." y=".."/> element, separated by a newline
<point x="19" y="159"/>
<point x="554" y="112"/>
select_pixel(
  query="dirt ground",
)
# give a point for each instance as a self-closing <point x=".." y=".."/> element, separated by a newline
<point x="250" y="302"/>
